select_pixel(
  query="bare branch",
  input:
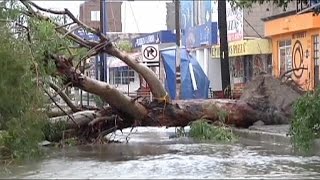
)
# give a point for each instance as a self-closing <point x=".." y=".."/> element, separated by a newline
<point x="155" y="85"/>
<point x="98" y="119"/>
<point x="106" y="46"/>
<point x="64" y="25"/>
<point x="46" y="10"/>
<point x="64" y="97"/>
<point x="71" y="30"/>
<point x="62" y="89"/>
<point x="90" y="29"/>
<point x="73" y="120"/>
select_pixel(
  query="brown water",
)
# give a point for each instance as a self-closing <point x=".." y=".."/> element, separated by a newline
<point x="151" y="154"/>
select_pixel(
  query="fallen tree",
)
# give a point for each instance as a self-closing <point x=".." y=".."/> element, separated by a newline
<point x="259" y="102"/>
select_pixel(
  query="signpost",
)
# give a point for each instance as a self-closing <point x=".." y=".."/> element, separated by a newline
<point x="150" y="55"/>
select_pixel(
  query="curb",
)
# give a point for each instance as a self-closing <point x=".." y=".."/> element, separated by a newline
<point x="270" y="138"/>
<point x="261" y="136"/>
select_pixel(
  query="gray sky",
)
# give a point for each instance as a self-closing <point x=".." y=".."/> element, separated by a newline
<point x="137" y="16"/>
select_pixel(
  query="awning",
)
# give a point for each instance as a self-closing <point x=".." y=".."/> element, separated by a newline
<point x="114" y="62"/>
<point x="245" y="47"/>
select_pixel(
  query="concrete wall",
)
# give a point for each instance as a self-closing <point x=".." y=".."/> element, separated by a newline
<point x="252" y="17"/>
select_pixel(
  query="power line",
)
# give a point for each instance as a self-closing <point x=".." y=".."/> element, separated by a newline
<point x="252" y="27"/>
<point x="134" y="17"/>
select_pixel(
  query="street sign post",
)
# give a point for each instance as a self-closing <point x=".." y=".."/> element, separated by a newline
<point x="150" y="54"/>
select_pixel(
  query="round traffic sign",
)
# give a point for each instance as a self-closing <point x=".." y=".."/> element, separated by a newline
<point x="150" y="53"/>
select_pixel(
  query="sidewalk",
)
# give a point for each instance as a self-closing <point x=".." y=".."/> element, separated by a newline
<point x="271" y="134"/>
<point x="275" y="135"/>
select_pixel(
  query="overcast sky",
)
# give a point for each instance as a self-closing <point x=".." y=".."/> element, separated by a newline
<point x="137" y="16"/>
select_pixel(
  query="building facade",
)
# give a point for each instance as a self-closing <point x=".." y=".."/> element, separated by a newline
<point x="295" y="45"/>
<point x="90" y="14"/>
<point x="247" y="59"/>
<point x="249" y="51"/>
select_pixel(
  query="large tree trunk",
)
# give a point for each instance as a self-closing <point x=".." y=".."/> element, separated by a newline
<point x="126" y="107"/>
<point x="263" y="100"/>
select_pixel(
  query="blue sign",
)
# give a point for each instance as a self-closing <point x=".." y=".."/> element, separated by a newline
<point x="86" y="35"/>
<point x="207" y="9"/>
<point x="154" y="38"/>
<point x="202" y="35"/>
<point x="186" y="14"/>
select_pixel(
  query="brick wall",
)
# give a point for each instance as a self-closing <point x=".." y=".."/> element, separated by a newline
<point x="113" y="12"/>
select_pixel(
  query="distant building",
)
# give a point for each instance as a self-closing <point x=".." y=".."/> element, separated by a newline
<point x="170" y="18"/>
<point x="90" y="14"/>
<point x="295" y="39"/>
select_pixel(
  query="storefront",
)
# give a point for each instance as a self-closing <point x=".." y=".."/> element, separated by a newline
<point x="295" y="45"/>
<point x="247" y="59"/>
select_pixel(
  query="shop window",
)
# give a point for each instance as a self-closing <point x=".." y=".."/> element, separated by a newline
<point x="285" y="57"/>
<point x="237" y="69"/>
<point x="121" y="75"/>
<point x="261" y="64"/>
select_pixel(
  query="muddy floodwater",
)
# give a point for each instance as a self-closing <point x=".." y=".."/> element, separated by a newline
<point x="151" y="154"/>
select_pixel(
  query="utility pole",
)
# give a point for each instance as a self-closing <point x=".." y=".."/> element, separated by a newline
<point x="178" y="50"/>
<point x="224" y="53"/>
<point x="103" y="28"/>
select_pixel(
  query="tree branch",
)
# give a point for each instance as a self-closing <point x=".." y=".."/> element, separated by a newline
<point x="154" y="83"/>
<point x="116" y="99"/>
<point x="156" y="86"/>
<point x="64" y="97"/>
<point x="61" y="107"/>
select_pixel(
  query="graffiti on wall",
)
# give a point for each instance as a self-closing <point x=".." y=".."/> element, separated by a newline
<point x="297" y="58"/>
<point x="300" y="60"/>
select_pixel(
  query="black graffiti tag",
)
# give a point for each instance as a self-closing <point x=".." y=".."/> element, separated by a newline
<point x="297" y="58"/>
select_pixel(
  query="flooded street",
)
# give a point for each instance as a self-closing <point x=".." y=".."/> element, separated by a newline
<point x="151" y="154"/>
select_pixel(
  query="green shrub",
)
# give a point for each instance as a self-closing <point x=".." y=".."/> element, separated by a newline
<point x="54" y="132"/>
<point x="202" y="130"/>
<point x="305" y="125"/>
<point x="20" y="99"/>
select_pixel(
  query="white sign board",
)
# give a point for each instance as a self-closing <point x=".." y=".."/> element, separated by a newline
<point x="234" y="20"/>
<point x="150" y="53"/>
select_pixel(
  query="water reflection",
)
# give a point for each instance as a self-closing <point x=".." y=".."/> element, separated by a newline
<point x="155" y="156"/>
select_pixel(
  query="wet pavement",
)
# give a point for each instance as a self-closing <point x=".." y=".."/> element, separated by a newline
<point x="151" y="154"/>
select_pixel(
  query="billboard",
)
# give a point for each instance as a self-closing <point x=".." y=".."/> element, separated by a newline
<point x="234" y="20"/>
